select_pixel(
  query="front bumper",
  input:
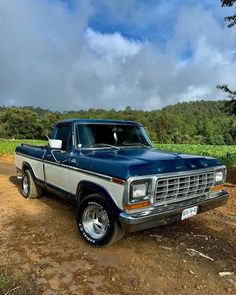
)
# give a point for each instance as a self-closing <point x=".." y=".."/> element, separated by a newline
<point x="136" y="222"/>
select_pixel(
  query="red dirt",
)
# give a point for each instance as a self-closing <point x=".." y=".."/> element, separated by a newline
<point x="42" y="252"/>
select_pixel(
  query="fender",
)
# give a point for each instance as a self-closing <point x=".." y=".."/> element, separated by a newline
<point x="26" y="165"/>
<point x="93" y="187"/>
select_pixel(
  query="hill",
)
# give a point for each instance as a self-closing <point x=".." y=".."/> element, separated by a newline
<point x="199" y="122"/>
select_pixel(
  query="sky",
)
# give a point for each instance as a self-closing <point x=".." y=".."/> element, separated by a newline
<point x="147" y="54"/>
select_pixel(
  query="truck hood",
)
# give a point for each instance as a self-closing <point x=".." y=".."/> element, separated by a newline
<point x="128" y="162"/>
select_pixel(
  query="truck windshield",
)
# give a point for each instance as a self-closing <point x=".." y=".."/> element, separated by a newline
<point x="111" y="136"/>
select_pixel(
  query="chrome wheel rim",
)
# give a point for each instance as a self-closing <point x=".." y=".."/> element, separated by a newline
<point x="25" y="185"/>
<point x="95" y="221"/>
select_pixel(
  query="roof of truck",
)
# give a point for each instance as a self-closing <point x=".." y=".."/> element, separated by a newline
<point x="99" y="121"/>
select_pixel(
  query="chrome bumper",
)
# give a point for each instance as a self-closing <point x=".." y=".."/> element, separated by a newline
<point x="136" y="222"/>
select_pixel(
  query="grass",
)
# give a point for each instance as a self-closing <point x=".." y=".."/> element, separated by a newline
<point x="17" y="284"/>
<point x="7" y="147"/>
<point x="3" y="282"/>
<point x="226" y="153"/>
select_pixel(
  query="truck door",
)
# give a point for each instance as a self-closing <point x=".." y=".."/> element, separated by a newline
<point x="56" y="161"/>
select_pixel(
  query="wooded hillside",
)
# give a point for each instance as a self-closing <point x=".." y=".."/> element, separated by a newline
<point x="199" y="122"/>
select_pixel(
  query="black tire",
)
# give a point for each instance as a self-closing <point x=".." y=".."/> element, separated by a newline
<point x="29" y="188"/>
<point x="112" y="231"/>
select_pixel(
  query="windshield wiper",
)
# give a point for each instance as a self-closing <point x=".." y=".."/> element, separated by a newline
<point x="136" y="144"/>
<point x="104" y="145"/>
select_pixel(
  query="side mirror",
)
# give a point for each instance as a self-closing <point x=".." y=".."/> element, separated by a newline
<point x="55" y="143"/>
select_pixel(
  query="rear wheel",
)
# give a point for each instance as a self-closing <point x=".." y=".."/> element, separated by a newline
<point x="96" y="221"/>
<point x="29" y="188"/>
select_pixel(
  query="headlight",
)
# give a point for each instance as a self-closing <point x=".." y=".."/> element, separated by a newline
<point x="219" y="176"/>
<point x="140" y="190"/>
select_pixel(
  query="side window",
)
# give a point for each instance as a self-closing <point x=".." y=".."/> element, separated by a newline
<point x="69" y="143"/>
<point x="64" y="134"/>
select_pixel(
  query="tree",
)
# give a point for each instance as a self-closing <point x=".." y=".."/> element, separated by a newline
<point x="232" y="18"/>
<point x="47" y="123"/>
<point x="187" y="122"/>
<point x="20" y="123"/>
<point x="231" y="105"/>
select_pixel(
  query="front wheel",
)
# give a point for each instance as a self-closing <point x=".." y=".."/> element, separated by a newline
<point x="96" y="222"/>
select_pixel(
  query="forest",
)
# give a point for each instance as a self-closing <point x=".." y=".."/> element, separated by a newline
<point x="196" y="122"/>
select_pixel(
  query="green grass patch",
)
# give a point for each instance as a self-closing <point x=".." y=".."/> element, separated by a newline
<point x="3" y="282"/>
<point x="17" y="284"/>
<point x="7" y="147"/>
<point x="226" y="153"/>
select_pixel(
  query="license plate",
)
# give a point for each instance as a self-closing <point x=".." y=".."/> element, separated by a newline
<point x="187" y="213"/>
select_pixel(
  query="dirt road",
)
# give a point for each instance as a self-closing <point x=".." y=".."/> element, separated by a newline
<point x="42" y="252"/>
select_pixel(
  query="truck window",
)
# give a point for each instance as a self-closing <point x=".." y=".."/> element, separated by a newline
<point x="65" y="135"/>
<point x="90" y="135"/>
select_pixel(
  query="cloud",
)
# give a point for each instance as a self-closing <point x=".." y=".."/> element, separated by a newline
<point x="112" y="46"/>
<point x="54" y="55"/>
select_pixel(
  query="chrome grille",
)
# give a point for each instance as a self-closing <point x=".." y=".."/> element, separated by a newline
<point x="172" y="189"/>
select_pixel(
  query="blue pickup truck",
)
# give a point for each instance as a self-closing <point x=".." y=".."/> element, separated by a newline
<point x="118" y="181"/>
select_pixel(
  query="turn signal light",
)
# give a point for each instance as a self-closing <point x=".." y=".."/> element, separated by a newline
<point x="137" y="205"/>
<point x="217" y="188"/>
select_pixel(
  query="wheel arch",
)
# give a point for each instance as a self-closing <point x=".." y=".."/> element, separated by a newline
<point x="27" y="166"/>
<point x="86" y="188"/>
